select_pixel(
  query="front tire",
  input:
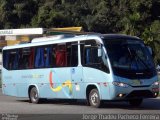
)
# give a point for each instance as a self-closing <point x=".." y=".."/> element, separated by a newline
<point x="33" y="96"/>
<point x="135" y="102"/>
<point x="94" y="98"/>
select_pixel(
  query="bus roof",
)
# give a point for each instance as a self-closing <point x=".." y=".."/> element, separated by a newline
<point x="120" y="36"/>
<point x="68" y="38"/>
<point x="53" y="40"/>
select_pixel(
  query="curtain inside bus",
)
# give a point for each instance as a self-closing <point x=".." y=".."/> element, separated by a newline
<point x="61" y="57"/>
<point x="39" y="62"/>
<point x="48" y="57"/>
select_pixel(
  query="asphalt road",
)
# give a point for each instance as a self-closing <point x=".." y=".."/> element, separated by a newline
<point x="13" y="105"/>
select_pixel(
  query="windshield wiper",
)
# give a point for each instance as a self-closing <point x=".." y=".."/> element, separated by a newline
<point x="135" y="56"/>
<point x="132" y="58"/>
<point x="142" y="61"/>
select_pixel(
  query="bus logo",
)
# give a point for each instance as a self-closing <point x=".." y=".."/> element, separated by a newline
<point x="67" y="83"/>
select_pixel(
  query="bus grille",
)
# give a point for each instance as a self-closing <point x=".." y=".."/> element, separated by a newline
<point x="140" y="94"/>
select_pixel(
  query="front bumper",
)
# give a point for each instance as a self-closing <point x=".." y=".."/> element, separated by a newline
<point x="120" y="93"/>
<point x="142" y="94"/>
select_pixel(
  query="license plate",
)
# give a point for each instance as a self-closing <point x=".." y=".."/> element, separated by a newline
<point x="136" y="82"/>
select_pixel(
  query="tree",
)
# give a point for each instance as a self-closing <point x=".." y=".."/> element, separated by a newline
<point x="151" y="37"/>
<point x="8" y="18"/>
<point x="17" y="13"/>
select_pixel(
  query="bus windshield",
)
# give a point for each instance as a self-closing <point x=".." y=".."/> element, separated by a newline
<point x="129" y="57"/>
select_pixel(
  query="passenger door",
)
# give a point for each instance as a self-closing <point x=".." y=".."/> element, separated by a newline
<point x="77" y="73"/>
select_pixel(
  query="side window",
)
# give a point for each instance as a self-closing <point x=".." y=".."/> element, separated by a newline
<point x="49" y="56"/>
<point x="18" y="59"/>
<point x="45" y="56"/>
<point x="61" y="55"/>
<point x="66" y="55"/>
<point x="39" y="57"/>
<point x="24" y="58"/>
<point x="31" y="58"/>
<point x="10" y="59"/>
<point x="5" y="59"/>
<point x="13" y="60"/>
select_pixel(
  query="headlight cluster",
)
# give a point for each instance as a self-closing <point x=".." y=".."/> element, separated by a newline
<point x="120" y="84"/>
<point x="155" y="83"/>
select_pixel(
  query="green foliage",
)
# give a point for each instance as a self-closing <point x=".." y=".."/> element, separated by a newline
<point x="133" y="17"/>
<point x="151" y="36"/>
<point x="17" y="13"/>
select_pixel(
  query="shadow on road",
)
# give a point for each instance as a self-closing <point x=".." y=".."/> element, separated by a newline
<point x="148" y="104"/>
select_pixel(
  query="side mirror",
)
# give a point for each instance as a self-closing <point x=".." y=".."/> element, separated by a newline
<point x="99" y="52"/>
<point x="150" y="50"/>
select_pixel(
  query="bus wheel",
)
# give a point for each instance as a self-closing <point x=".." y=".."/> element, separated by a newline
<point x="135" y="102"/>
<point x="33" y="95"/>
<point x="94" y="99"/>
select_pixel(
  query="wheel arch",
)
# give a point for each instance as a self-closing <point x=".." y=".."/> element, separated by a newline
<point x="90" y="87"/>
<point x="30" y="87"/>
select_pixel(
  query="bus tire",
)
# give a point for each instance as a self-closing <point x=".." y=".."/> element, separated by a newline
<point x="33" y="95"/>
<point x="94" y="98"/>
<point x="135" y="102"/>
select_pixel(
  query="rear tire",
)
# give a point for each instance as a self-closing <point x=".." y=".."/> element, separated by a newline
<point x="94" y="98"/>
<point x="135" y="102"/>
<point x="33" y="95"/>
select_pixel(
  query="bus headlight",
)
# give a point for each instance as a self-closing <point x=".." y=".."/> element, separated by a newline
<point x="120" y="84"/>
<point x="155" y="83"/>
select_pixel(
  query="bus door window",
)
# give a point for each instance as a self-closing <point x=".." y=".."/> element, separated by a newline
<point x="88" y="55"/>
<point x="74" y="54"/>
<point x="89" y="52"/>
<point x="90" y="58"/>
<point x="68" y="54"/>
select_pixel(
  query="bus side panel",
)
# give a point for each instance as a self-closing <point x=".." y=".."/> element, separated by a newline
<point x="101" y="79"/>
<point x="8" y="83"/>
<point x="22" y="90"/>
<point x="10" y="89"/>
<point x="56" y="83"/>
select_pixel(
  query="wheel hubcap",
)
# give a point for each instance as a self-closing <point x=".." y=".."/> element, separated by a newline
<point x="94" y="98"/>
<point x="34" y="96"/>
